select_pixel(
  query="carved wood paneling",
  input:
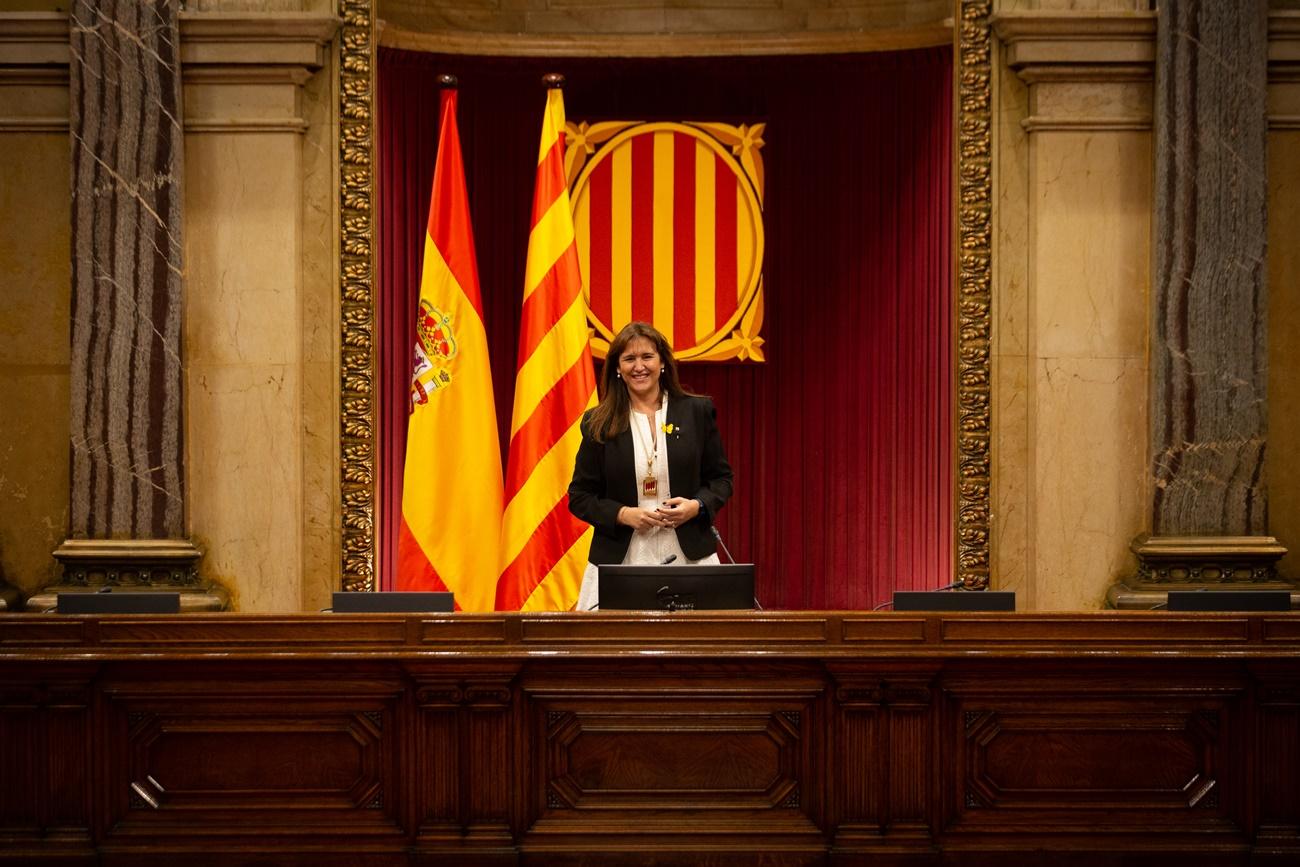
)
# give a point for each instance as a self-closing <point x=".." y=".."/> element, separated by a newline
<point x="463" y="749"/>
<point x="910" y="751"/>
<point x="674" y="751"/>
<point x="1093" y="756"/>
<point x="44" y="728"/>
<point x="676" y="758"/>
<point x="1074" y="761"/>
<point x="283" y="757"/>
<point x="312" y="740"/>
<point x="1279" y="758"/>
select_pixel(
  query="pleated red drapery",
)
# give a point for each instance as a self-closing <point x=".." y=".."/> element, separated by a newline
<point x="841" y="442"/>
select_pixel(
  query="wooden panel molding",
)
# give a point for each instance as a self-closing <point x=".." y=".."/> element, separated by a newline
<point x="684" y="759"/>
<point x="1074" y="762"/>
<point x="202" y="754"/>
<point x="725" y="739"/>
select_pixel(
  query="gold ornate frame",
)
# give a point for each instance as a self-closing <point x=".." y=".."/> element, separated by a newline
<point x="973" y="163"/>
<point x="357" y="290"/>
<point x="973" y="124"/>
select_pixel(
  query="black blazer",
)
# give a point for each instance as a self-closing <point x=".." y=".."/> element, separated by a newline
<point x="605" y="480"/>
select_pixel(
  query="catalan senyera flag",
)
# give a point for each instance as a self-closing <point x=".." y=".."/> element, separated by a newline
<point x="543" y="547"/>
<point x="452" y="488"/>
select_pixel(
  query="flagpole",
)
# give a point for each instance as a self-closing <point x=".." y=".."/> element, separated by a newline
<point x="451" y="486"/>
<point x="544" y="546"/>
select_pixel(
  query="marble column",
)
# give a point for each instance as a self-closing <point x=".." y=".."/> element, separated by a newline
<point x="1209" y="359"/>
<point x="127" y="501"/>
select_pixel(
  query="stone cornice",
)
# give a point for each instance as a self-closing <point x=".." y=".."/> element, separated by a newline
<point x="1060" y="46"/>
<point x="1283" y="40"/>
<point x="289" y="39"/>
<point x="279" y="39"/>
<point x="1089" y="43"/>
<point x="666" y="44"/>
<point x="33" y="39"/>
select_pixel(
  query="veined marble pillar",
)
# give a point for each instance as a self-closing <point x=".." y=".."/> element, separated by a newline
<point x="127" y="501"/>
<point x="1209" y="306"/>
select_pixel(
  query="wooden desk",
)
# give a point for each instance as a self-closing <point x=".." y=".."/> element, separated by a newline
<point x="768" y="738"/>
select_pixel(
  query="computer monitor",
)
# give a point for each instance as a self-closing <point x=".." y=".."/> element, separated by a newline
<point x="717" y="587"/>
<point x="954" y="600"/>
<point x="125" y="602"/>
<point x="390" y="602"/>
<point x="1229" y="600"/>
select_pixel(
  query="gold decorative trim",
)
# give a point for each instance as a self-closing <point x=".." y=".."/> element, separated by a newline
<point x="356" y="283"/>
<point x="973" y="69"/>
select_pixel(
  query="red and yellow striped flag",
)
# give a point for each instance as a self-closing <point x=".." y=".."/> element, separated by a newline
<point x="543" y="547"/>
<point x="452" y="490"/>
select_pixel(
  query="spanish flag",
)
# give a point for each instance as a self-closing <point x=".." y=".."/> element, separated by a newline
<point x="543" y="547"/>
<point x="452" y="492"/>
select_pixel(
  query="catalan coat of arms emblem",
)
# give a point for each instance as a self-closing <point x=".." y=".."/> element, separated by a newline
<point x="668" y="219"/>
<point x="435" y="347"/>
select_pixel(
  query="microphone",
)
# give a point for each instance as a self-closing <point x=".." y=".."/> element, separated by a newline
<point x="723" y="545"/>
<point x="953" y="586"/>
<point x="718" y="536"/>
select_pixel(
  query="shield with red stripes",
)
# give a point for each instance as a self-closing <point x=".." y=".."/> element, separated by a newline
<point x="669" y="226"/>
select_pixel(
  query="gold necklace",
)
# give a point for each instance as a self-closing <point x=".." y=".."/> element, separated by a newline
<point x="649" y="484"/>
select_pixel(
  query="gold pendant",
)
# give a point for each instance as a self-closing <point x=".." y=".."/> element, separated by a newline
<point x="649" y="486"/>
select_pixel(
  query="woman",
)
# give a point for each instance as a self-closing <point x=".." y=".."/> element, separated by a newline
<point x="650" y="473"/>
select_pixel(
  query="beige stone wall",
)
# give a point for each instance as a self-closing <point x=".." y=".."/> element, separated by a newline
<point x="1284" y="288"/>
<point x="35" y="298"/>
<point x="260" y="324"/>
<point x="1072" y="260"/>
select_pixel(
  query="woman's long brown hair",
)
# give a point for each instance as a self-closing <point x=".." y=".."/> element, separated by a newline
<point x="609" y="418"/>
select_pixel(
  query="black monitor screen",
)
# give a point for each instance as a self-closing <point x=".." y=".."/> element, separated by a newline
<point x="126" y="602"/>
<point x="1229" y="600"/>
<point x="677" y="588"/>
<point x="957" y="600"/>
<point x="402" y="601"/>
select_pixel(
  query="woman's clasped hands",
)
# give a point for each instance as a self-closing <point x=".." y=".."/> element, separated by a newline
<point x="674" y="512"/>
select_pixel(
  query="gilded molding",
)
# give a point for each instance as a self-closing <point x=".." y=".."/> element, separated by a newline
<point x="356" y="282"/>
<point x="974" y="289"/>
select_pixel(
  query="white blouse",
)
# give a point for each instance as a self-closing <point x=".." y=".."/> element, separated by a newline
<point x="657" y="544"/>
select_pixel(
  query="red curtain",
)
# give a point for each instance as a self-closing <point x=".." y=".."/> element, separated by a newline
<point x="841" y="442"/>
